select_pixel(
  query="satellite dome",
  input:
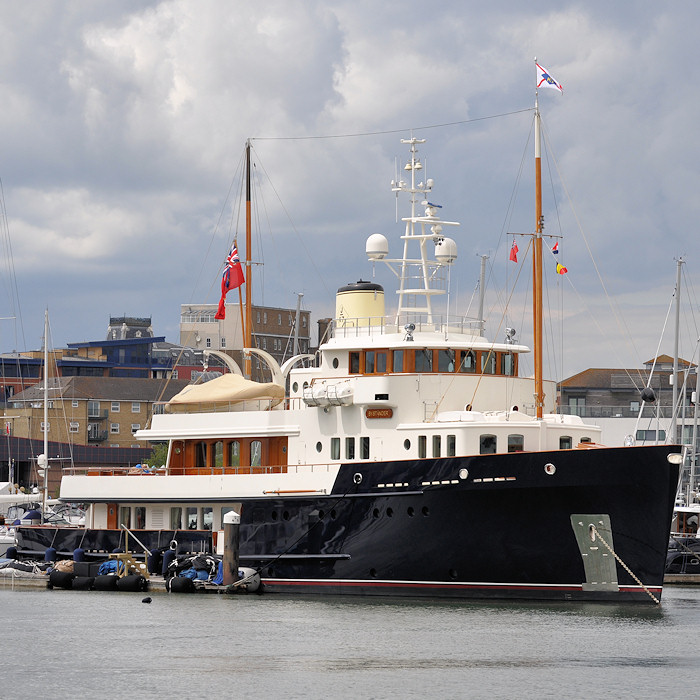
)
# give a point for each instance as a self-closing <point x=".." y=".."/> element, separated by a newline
<point x="377" y="247"/>
<point x="446" y="251"/>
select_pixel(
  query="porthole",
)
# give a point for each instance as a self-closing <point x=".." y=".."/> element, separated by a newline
<point x="463" y="474"/>
<point x="389" y="512"/>
<point x="334" y="515"/>
<point x="375" y="513"/>
<point x="321" y="515"/>
<point x="425" y="510"/>
<point x="335" y="363"/>
<point x="407" y="444"/>
<point x="549" y="468"/>
<point x="410" y="512"/>
<point x="273" y="515"/>
<point x="285" y="515"/>
<point x="453" y="574"/>
<point x="319" y="446"/>
<point x="295" y="387"/>
<point x="373" y="573"/>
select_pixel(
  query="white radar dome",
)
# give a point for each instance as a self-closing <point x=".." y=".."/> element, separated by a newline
<point x="377" y="247"/>
<point x="446" y="251"/>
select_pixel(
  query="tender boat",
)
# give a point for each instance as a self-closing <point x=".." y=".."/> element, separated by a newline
<point x="412" y="460"/>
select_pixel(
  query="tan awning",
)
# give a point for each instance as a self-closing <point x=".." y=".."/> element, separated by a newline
<point x="226" y="389"/>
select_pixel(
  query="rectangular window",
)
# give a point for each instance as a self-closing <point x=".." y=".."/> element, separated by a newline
<point x="264" y="316"/>
<point x="335" y="448"/>
<point x="397" y="361"/>
<point x="446" y="360"/>
<point x="135" y="427"/>
<point x="191" y="515"/>
<point x="74" y="403"/>
<point x="208" y="342"/>
<point x="176" y="518"/>
<point x="516" y="443"/>
<point x="136" y="407"/>
<point x="258" y="317"/>
<point x="354" y="363"/>
<point x="565" y="442"/>
<point x="369" y="362"/>
<point x="207" y="518"/>
<point x="634" y="406"/>
<point x="451" y="445"/>
<point x="508" y="364"/>
<point x="487" y="444"/>
<point x="74" y="427"/>
<point x="140" y="517"/>
<point x="115" y="406"/>
<point x="488" y="362"/>
<point x="350" y="448"/>
<point x="223" y="342"/>
<point x="279" y="319"/>
<point x="422" y="446"/>
<point x="114" y="428"/>
<point x="45" y="427"/>
<point x="364" y="448"/>
<point x="424" y="360"/>
<point x="468" y="363"/>
<point x="381" y="362"/>
<point x="125" y="516"/>
<point x="436" y="445"/>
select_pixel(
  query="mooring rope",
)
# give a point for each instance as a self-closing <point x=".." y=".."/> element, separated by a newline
<point x="597" y="534"/>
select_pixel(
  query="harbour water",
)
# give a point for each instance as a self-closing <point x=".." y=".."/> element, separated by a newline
<point x="75" y="644"/>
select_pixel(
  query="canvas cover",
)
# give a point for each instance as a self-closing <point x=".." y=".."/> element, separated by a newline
<point x="226" y="389"/>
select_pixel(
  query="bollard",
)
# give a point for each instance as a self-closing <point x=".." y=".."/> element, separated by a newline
<point x="232" y="522"/>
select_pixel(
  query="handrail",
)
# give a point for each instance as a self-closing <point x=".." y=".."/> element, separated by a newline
<point x="129" y="532"/>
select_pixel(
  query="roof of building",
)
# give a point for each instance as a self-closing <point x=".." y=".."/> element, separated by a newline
<point x="104" y="388"/>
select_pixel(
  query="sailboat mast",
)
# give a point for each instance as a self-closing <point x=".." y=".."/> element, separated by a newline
<point x="537" y="267"/>
<point x="45" y="460"/>
<point x="248" y="337"/>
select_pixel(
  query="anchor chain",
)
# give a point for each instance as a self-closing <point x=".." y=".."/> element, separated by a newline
<point x="595" y="532"/>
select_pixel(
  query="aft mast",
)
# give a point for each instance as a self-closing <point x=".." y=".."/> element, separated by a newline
<point x="248" y="341"/>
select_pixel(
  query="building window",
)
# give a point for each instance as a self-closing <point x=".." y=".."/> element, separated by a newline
<point x="45" y="427"/>
<point x="264" y="316"/>
<point x="487" y="444"/>
<point x="135" y="427"/>
<point x="279" y="319"/>
<point x="74" y="403"/>
<point x="634" y="406"/>
<point x="223" y="342"/>
<point x="577" y="405"/>
<point x="350" y="448"/>
<point x="303" y="321"/>
<point x="135" y="407"/>
<point x="208" y="342"/>
<point x="335" y="448"/>
<point x="115" y="406"/>
<point x="114" y="428"/>
<point x="364" y="448"/>
<point x="74" y="427"/>
<point x="258" y="317"/>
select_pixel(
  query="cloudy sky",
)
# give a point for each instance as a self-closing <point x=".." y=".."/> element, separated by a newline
<point x="123" y="126"/>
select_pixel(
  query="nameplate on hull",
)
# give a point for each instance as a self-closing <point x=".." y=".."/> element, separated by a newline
<point x="379" y="413"/>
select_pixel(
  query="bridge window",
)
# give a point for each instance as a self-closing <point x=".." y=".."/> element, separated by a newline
<point x="468" y="363"/>
<point x="354" y="363"/>
<point x="424" y="360"/>
<point x="488" y="362"/>
<point x="446" y="360"/>
<point x="350" y="448"/>
<point x="437" y="445"/>
<point x="422" y="446"/>
<point x="508" y="364"/>
<point x="451" y="445"/>
<point x="565" y="442"/>
<point x="397" y="361"/>
<point x="369" y="362"/>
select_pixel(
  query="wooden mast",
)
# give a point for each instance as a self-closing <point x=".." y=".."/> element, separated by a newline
<point x="537" y="268"/>
<point x="248" y="330"/>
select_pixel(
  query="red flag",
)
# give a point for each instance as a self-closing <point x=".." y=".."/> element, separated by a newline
<point x="514" y="252"/>
<point x="231" y="279"/>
